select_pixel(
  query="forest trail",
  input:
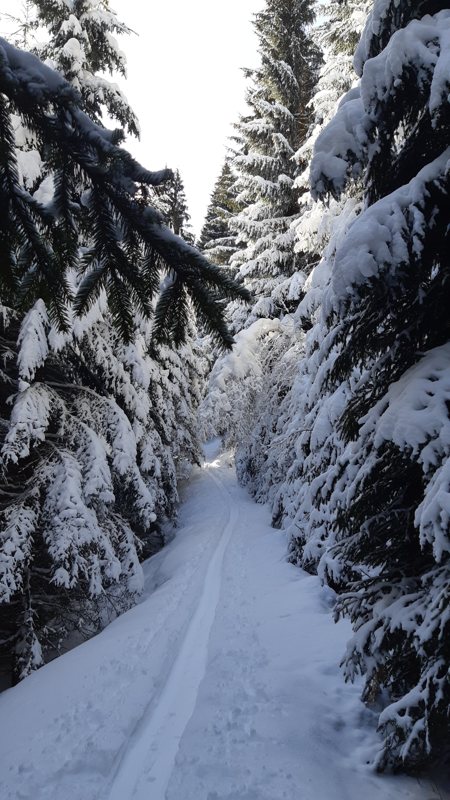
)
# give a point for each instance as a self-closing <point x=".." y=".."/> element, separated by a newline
<point x="149" y="759"/>
<point x="222" y="684"/>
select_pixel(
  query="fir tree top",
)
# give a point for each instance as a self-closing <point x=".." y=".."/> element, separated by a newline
<point x="82" y="44"/>
<point x="170" y="200"/>
<point x="216" y="239"/>
<point x="269" y="136"/>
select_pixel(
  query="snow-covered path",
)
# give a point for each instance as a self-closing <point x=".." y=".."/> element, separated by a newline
<point x="222" y="684"/>
<point x="149" y="759"/>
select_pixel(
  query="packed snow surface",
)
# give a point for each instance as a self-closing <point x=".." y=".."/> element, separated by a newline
<point x="222" y="684"/>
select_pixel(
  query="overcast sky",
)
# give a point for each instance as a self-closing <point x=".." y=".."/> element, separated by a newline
<point x="185" y="83"/>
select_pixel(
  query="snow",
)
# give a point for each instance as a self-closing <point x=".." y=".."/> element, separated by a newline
<point x="420" y="48"/>
<point x="45" y="192"/>
<point x="18" y="528"/>
<point x="221" y="684"/>
<point x="414" y="415"/>
<point x="34" y="82"/>
<point x="77" y="544"/>
<point x="29" y="164"/>
<point x="418" y="55"/>
<point x="235" y="381"/>
<point x="74" y="52"/>
<point x="32" y="341"/>
<point x="378" y="238"/>
<point x="30" y="418"/>
<point x="340" y="147"/>
<point x="242" y="360"/>
<point x="375" y="21"/>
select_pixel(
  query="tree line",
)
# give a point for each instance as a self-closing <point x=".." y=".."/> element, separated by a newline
<point x="337" y="221"/>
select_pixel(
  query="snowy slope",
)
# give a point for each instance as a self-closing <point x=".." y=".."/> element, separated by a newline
<point x="221" y="685"/>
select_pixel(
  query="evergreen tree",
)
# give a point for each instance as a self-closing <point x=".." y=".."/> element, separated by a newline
<point x="81" y="45"/>
<point x="392" y="319"/>
<point x="79" y="466"/>
<point x="277" y="461"/>
<point x="266" y="142"/>
<point x="217" y="241"/>
<point x="170" y="200"/>
<point x="354" y="460"/>
<point x="88" y="30"/>
<point x="179" y="384"/>
<point x="270" y="135"/>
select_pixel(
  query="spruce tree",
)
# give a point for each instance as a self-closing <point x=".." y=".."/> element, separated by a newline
<point x="179" y="369"/>
<point x="170" y="200"/>
<point x="217" y="241"/>
<point x="21" y="24"/>
<point x="354" y="461"/>
<point x="395" y="330"/>
<point x="270" y="135"/>
<point x="81" y="45"/>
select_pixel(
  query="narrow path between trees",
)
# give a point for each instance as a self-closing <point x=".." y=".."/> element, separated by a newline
<point x="149" y="759"/>
<point x="222" y="684"/>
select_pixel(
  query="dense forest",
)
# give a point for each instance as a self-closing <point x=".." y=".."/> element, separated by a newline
<point x="305" y="327"/>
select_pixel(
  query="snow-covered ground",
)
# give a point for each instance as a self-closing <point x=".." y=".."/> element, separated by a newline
<point x="222" y="684"/>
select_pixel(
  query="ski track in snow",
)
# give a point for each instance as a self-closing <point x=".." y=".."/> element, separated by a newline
<point x="147" y="765"/>
<point x="221" y="684"/>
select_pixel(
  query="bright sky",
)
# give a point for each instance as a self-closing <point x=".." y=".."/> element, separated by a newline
<point x="185" y="84"/>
